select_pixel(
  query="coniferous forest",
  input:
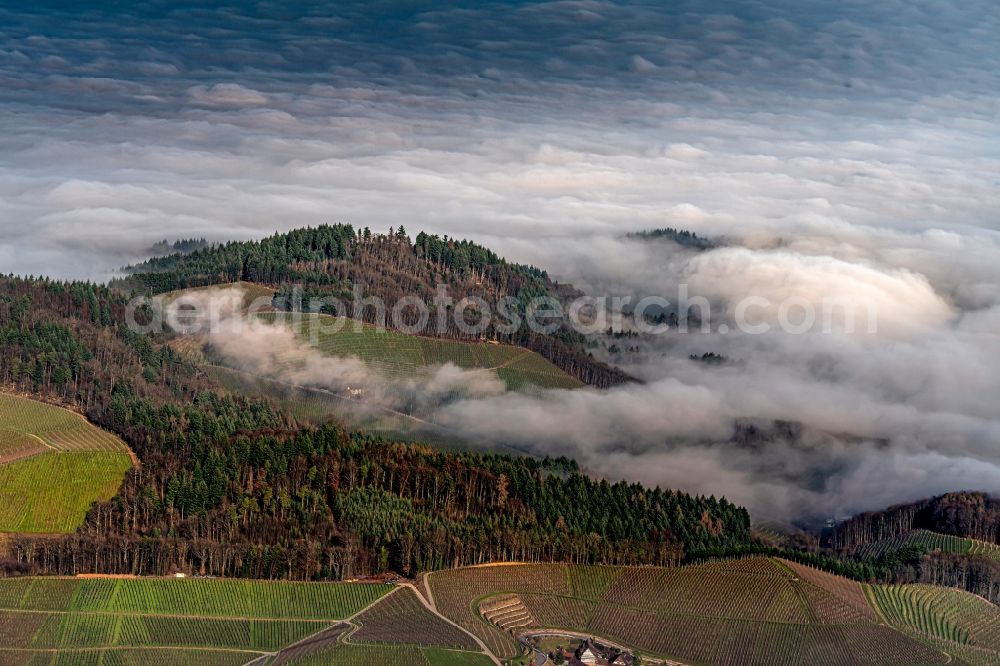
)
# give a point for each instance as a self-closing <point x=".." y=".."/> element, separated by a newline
<point x="335" y="261"/>
<point x="231" y="486"/>
<point x="625" y="333"/>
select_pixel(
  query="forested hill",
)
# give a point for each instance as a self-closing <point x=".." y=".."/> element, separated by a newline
<point x="682" y="237"/>
<point x="334" y="260"/>
<point x="972" y="515"/>
<point x="233" y="486"/>
<point x="948" y="540"/>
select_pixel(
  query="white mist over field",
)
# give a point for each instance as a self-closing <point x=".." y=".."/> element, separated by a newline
<point x="844" y="151"/>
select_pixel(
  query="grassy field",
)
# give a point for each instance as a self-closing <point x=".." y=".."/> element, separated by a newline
<point x="52" y="492"/>
<point x="398" y="355"/>
<point x="753" y="611"/>
<point x="74" y="620"/>
<point x="393" y="354"/>
<point x="53" y="466"/>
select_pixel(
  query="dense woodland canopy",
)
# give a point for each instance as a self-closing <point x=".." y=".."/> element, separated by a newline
<point x="964" y="514"/>
<point x="972" y="515"/>
<point x="336" y="261"/>
<point x="679" y="236"/>
<point x="233" y="486"/>
<point x="182" y="246"/>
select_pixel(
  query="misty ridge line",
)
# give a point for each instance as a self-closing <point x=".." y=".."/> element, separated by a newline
<point x="587" y="315"/>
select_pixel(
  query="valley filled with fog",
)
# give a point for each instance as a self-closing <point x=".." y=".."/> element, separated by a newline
<point x="849" y="156"/>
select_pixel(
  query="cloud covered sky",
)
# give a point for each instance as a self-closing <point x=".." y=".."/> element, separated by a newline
<point x="846" y="148"/>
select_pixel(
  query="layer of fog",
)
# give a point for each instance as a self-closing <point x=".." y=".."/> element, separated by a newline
<point x="891" y="414"/>
<point x="276" y="353"/>
<point x="844" y="150"/>
<point x="907" y="410"/>
<point x="529" y="125"/>
<point x="272" y="350"/>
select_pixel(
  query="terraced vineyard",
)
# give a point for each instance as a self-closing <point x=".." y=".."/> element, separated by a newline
<point x="456" y="591"/>
<point x="959" y="623"/>
<point x="217" y="598"/>
<point x="919" y="607"/>
<point x="392" y="656"/>
<point x="124" y="657"/>
<point x="739" y="612"/>
<point x="16" y="445"/>
<point x="58" y="429"/>
<point x="397" y="355"/>
<point x="226" y="621"/>
<point x="53" y="466"/>
<point x="931" y="541"/>
<point x="402" y="618"/>
<point x="753" y="611"/>
<point x="508" y="611"/>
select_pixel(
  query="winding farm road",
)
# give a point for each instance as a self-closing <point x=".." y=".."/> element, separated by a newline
<point x="349" y="626"/>
<point x="337" y="628"/>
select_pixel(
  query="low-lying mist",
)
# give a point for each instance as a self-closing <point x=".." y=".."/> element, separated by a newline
<point x="901" y="411"/>
<point x="843" y="151"/>
<point x="878" y="417"/>
<point x="275" y="352"/>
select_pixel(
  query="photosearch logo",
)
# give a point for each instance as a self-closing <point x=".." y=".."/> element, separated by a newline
<point x="474" y="316"/>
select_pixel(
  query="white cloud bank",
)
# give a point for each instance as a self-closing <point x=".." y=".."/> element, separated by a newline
<point x="845" y="150"/>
